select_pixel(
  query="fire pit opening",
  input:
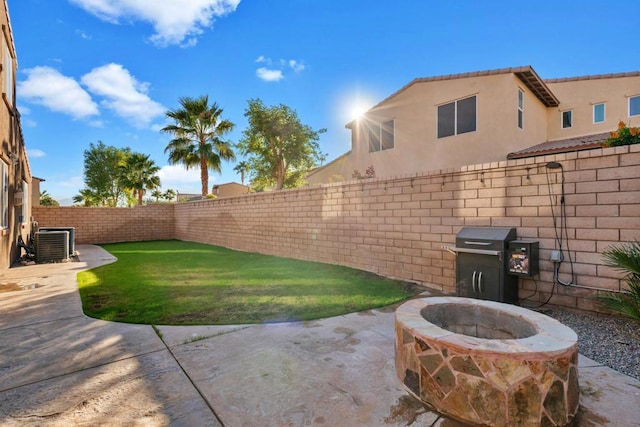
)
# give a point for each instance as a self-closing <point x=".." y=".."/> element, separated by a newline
<point x="478" y="321"/>
<point x="486" y="362"/>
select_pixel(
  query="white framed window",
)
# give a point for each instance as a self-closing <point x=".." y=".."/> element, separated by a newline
<point x="457" y="117"/>
<point x="634" y="105"/>
<point x="599" y="113"/>
<point x="7" y="71"/>
<point x="382" y="136"/>
<point x="520" y="109"/>
<point x="567" y="119"/>
<point x="4" y="195"/>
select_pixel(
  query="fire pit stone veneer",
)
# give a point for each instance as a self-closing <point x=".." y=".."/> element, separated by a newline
<point x="486" y="362"/>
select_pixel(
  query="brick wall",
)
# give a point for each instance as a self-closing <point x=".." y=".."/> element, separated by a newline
<point x="110" y="225"/>
<point x="397" y="227"/>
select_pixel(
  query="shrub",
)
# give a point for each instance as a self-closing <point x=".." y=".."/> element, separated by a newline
<point x="625" y="135"/>
<point x="625" y="257"/>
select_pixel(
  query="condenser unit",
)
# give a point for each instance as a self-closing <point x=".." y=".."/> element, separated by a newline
<point x="52" y="246"/>
<point x="72" y="236"/>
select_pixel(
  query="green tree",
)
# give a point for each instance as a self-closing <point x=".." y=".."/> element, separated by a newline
<point x="86" y="197"/>
<point x="102" y="175"/>
<point x="280" y="149"/>
<point x="242" y="168"/>
<point x="168" y="195"/>
<point x="198" y="130"/>
<point x="156" y="194"/>
<point x="138" y="174"/>
<point x="47" y="200"/>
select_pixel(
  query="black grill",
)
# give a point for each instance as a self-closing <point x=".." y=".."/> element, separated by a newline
<point x="481" y="264"/>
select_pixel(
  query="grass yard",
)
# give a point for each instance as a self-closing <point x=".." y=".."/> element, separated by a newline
<point x="172" y="282"/>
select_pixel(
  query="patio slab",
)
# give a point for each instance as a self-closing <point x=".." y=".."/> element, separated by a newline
<point x="59" y="367"/>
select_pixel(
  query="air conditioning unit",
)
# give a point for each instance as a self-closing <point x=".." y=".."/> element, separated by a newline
<point x="72" y="236"/>
<point x="52" y="246"/>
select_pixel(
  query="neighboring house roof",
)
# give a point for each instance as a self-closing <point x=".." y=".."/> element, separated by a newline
<point x="593" y="77"/>
<point x="229" y="183"/>
<point x="568" y="145"/>
<point x="526" y="74"/>
<point x="319" y="168"/>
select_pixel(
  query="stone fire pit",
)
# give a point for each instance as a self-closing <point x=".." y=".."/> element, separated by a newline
<point x="486" y="362"/>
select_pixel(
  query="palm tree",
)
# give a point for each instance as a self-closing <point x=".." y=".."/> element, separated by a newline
<point x="242" y="168"/>
<point x="138" y="174"/>
<point x="87" y="197"/>
<point x="197" y="132"/>
<point x="47" y="200"/>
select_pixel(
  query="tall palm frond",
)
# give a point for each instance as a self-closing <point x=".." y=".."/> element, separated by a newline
<point x="198" y="129"/>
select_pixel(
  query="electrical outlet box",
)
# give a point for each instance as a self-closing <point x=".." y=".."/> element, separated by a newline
<point x="522" y="258"/>
<point x="556" y="256"/>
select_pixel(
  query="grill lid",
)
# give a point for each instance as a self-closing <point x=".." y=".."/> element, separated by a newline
<point x="493" y="238"/>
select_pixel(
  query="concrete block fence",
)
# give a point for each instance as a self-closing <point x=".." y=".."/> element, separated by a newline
<point x="396" y="227"/>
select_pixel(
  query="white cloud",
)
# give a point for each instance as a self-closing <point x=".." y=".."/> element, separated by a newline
<point x="83" y="35"/>
<point x="296" y="66"/>
<point x="123" y="94"/>
<point x="269" y="75"/>
<point x="48" y="87"/>
<point x="184" y="181"/>
<point x="178" y="174"/>
<point x="273" y="71"/>
<point x="176" y="22"/>
<point x="35" y="153"/>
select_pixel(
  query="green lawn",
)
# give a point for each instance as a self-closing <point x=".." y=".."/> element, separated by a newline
<point x="184" y="283"/>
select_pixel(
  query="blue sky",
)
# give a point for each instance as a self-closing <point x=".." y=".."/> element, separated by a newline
<point x="108" y="70"/>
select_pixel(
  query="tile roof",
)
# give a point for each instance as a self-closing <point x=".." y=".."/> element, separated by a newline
<point x="525" y="73"/>
<point x="594" y="77"/>
<point x="586" y="142"/>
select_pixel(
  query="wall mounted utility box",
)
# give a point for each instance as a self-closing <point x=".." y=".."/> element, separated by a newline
<point x="522" y="257"/>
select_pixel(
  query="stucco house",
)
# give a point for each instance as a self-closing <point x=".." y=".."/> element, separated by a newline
<point x="450" y="121"/>
<point x="230" y="189"/>
<point x="15" y="206"/>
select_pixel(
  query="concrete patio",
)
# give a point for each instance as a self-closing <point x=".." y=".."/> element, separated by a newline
<point x="59" y="367"/>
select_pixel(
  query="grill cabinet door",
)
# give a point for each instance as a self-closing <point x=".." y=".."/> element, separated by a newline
<point x="479" y="276"/>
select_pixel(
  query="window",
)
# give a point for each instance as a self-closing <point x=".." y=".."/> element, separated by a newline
<point x="520" y="109"/>
<point x="381" y="137"/>
<point x="374" y="139"/>
<point x="634" y="106"/>
<point x="567" y="119"/>
<point x="598" y="113"/>
<point x="387" y="134"/>
<point x="7" y="72"/>
<point x="25" y="202"/>
<point x="4" y="195"/>
<point x="457" y="117"/>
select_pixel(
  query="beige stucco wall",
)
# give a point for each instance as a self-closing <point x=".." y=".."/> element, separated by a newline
<point x="414" y="111"/>
<point x="12" y="153"/>
<point x="580" y="95"/>
<point x="229" y="189"/>
<point x="338" y="170"/>
<point x="417" y="147"/>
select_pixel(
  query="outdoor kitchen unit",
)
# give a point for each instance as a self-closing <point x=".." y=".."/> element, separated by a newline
<point x="482" y="264"/>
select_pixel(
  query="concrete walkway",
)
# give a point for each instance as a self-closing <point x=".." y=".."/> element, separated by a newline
<point x="60" y="368"/>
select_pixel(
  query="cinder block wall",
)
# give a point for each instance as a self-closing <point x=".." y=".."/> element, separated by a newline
<point x="397" y="227"/>
<point x="110" y="225"/>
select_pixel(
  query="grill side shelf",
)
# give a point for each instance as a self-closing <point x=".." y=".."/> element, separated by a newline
<point x="455" y="250"/>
